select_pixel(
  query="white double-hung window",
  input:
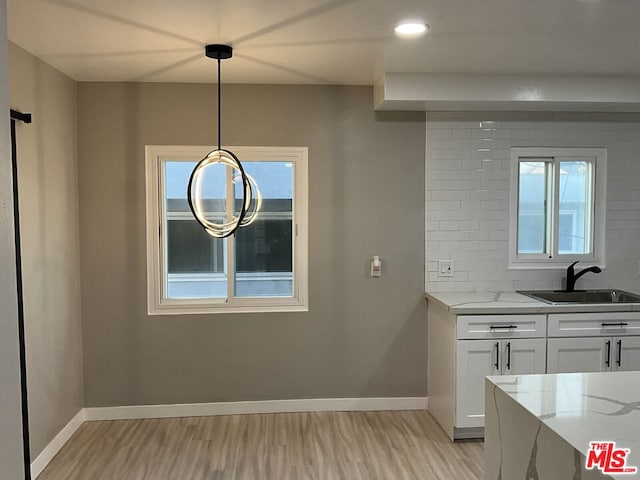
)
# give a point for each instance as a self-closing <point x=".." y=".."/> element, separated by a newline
<point x="261" y="268"/>
<point x="558" y="206"/>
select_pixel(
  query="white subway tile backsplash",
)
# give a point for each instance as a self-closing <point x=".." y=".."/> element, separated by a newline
<point x="477" y="276"/>
<point x="437" y="236"/>
<point x="440" y="154"/>
<point x="629" y="235"/>
<point x="454" y="164"/>
<point x="431" y="225"/>
<point x="433" y="276"/>
<point x="443" y="287"/>
<point x="523" y="285"/>
<point x="459" y="235"/>
<point x="448" y="195"/>
<point x="626" y="195"/>
<point x="499" y="195"/>
<point x="613" y="235"/>
<point x="469" y="225"/>
<point x="620" y="135"/>
<point x="495" y="204"/>
<point x="479" y="195"/>
<point x="449" y="225"/>
<point x="437" y="133"/>
<point x="480" y="235"/>
<point x="458" y="153"/>
<point x="439" y="205"/>
<point x="446" y="174"/>
<point x="623" y="215"/>
<point x="467" y="207"/>
<point x="621" y="225"/>
<point x="461" y="133"/>
<point x="463" y="286"/>
<point x="503" y="133"/>
<point x="494" y="184"/>
<point x="482" y="133"/>
<point x="450" y="185"/>
<point x="470" y="184"/>
<point x="447" y="214"/>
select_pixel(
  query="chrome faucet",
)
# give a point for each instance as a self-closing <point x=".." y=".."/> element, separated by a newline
<point x="572" y="276"/>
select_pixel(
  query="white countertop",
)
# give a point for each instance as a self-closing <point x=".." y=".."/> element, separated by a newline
<point x="582" y="407"/>
<point x="512" y="302"/>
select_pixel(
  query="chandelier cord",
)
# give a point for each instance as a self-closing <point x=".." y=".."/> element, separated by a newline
<point x="219" y="108"/>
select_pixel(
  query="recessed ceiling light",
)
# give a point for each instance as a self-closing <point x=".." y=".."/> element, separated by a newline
<point x="411" y="29"/>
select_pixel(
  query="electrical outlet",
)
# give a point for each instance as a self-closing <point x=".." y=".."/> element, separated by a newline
<point x="445" y="268"/>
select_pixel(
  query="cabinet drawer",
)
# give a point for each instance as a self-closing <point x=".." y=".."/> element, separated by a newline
<point x="594" y="324"/>
<point x="501" y="326"/>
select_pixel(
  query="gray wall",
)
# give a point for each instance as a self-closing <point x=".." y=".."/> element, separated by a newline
<point x="362" y="336"/>
<point x="11" y="452"/>
<point x="47" y="174"/>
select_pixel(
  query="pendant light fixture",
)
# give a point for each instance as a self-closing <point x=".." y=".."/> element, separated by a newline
<point x="251" y="201"/>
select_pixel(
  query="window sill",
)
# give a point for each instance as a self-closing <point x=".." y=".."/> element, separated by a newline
<point x="553" y="266"/>
<point x="223" y="308"/>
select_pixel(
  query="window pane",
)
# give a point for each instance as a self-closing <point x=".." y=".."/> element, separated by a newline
<point x="264" y="249"/>
<point x="195" y="260"/>
<point x="532" y="214"/>
<point x="574" y="223"/>
<point x="191" y="250"/>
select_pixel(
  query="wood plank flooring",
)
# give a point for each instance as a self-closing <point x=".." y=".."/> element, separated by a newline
<point x="404" y="445"/>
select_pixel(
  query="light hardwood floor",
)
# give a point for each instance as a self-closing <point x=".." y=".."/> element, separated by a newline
<point x="403" y="445"/>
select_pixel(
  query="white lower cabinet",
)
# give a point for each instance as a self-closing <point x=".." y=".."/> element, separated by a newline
<point x="571" y="355"/>
<point x="593" y="354"/>
<point x="627" y="354"/>
<point x="464" y="349"/>
<point x="593" y="342"/>
<point x="524" y="356"/>
<point x="476" y="359"/>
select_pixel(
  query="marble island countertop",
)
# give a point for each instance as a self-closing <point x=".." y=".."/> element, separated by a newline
<point x="512" y="302"/>
<point x="579" y="407"/>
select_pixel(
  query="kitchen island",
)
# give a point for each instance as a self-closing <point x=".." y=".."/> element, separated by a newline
<point x="541" y="426"/>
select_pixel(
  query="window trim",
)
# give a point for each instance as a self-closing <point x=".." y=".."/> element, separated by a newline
<point x="598" y="205"/>
<point x="157" y="303"/>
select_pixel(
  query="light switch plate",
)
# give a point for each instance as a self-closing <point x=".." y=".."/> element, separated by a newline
<point x="445" y="268"/>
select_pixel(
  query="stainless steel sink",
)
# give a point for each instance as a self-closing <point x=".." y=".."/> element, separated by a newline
<point x="582" y="296"/>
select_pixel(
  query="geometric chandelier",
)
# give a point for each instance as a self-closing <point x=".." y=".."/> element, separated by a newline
<point x="251" y="199"/>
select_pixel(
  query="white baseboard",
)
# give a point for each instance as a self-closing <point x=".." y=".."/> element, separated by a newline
<point x="220" y="408"/>
<point x="51" y="450"/>
<point x="267" y="406"/>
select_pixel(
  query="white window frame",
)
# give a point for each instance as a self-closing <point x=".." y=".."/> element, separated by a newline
<point x="554" y="260"/>
<point x="157" y="301"/>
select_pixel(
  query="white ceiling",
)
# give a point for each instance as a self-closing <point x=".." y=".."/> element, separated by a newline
<point x="327" y="42"/>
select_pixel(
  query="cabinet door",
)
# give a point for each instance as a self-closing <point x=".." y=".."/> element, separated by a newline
<point x="625" y="354"/>
<point x="523" y="356"/>
<point x="475" y="359"/>
<point x="570" y="355"/>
